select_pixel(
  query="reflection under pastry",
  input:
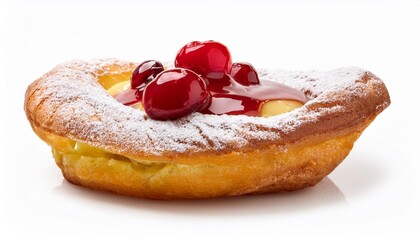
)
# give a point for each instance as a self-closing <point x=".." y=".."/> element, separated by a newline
<point x="324" y="194"/>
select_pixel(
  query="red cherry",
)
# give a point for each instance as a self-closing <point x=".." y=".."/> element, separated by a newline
<point x="245" y="74"/>
<point x="207" y="58"/>
<point x="145" y="72"/>
<point x="175" y="93"/>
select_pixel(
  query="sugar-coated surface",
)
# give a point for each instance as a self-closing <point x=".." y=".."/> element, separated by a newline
<point x="76" y="100"/>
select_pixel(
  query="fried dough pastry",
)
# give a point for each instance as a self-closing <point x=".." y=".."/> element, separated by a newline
<point x="102" y="144"/>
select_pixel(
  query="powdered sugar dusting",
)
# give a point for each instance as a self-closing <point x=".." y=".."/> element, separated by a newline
<point x="74" y="98"/>
<point x="314" y="83"/>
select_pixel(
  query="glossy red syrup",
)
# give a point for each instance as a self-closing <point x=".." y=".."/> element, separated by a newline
<point x="230" y="97"/>
<point x="233" y="98"/>
<point x="129" y="96"/>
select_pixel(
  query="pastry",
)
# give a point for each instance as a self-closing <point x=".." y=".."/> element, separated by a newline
<point x="199" y="137"/>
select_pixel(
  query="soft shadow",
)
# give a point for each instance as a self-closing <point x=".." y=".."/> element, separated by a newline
<point x="360" y="174"/>
<point x="324" y="194"/>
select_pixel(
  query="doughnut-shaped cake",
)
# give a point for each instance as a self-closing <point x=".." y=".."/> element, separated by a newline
<point x="100" y="143"/>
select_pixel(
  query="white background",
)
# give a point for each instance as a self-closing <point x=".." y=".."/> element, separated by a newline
<point x="374" y="194"/>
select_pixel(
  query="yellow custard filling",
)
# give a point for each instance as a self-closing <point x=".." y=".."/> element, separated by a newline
<point x="79" y="155"/>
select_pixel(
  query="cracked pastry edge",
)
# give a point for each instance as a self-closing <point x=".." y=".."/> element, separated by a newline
<point x="69" y="101"/>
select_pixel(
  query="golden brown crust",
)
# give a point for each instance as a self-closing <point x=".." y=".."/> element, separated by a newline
<point x="260" y="171"/>
<point x="200" y="156"/>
